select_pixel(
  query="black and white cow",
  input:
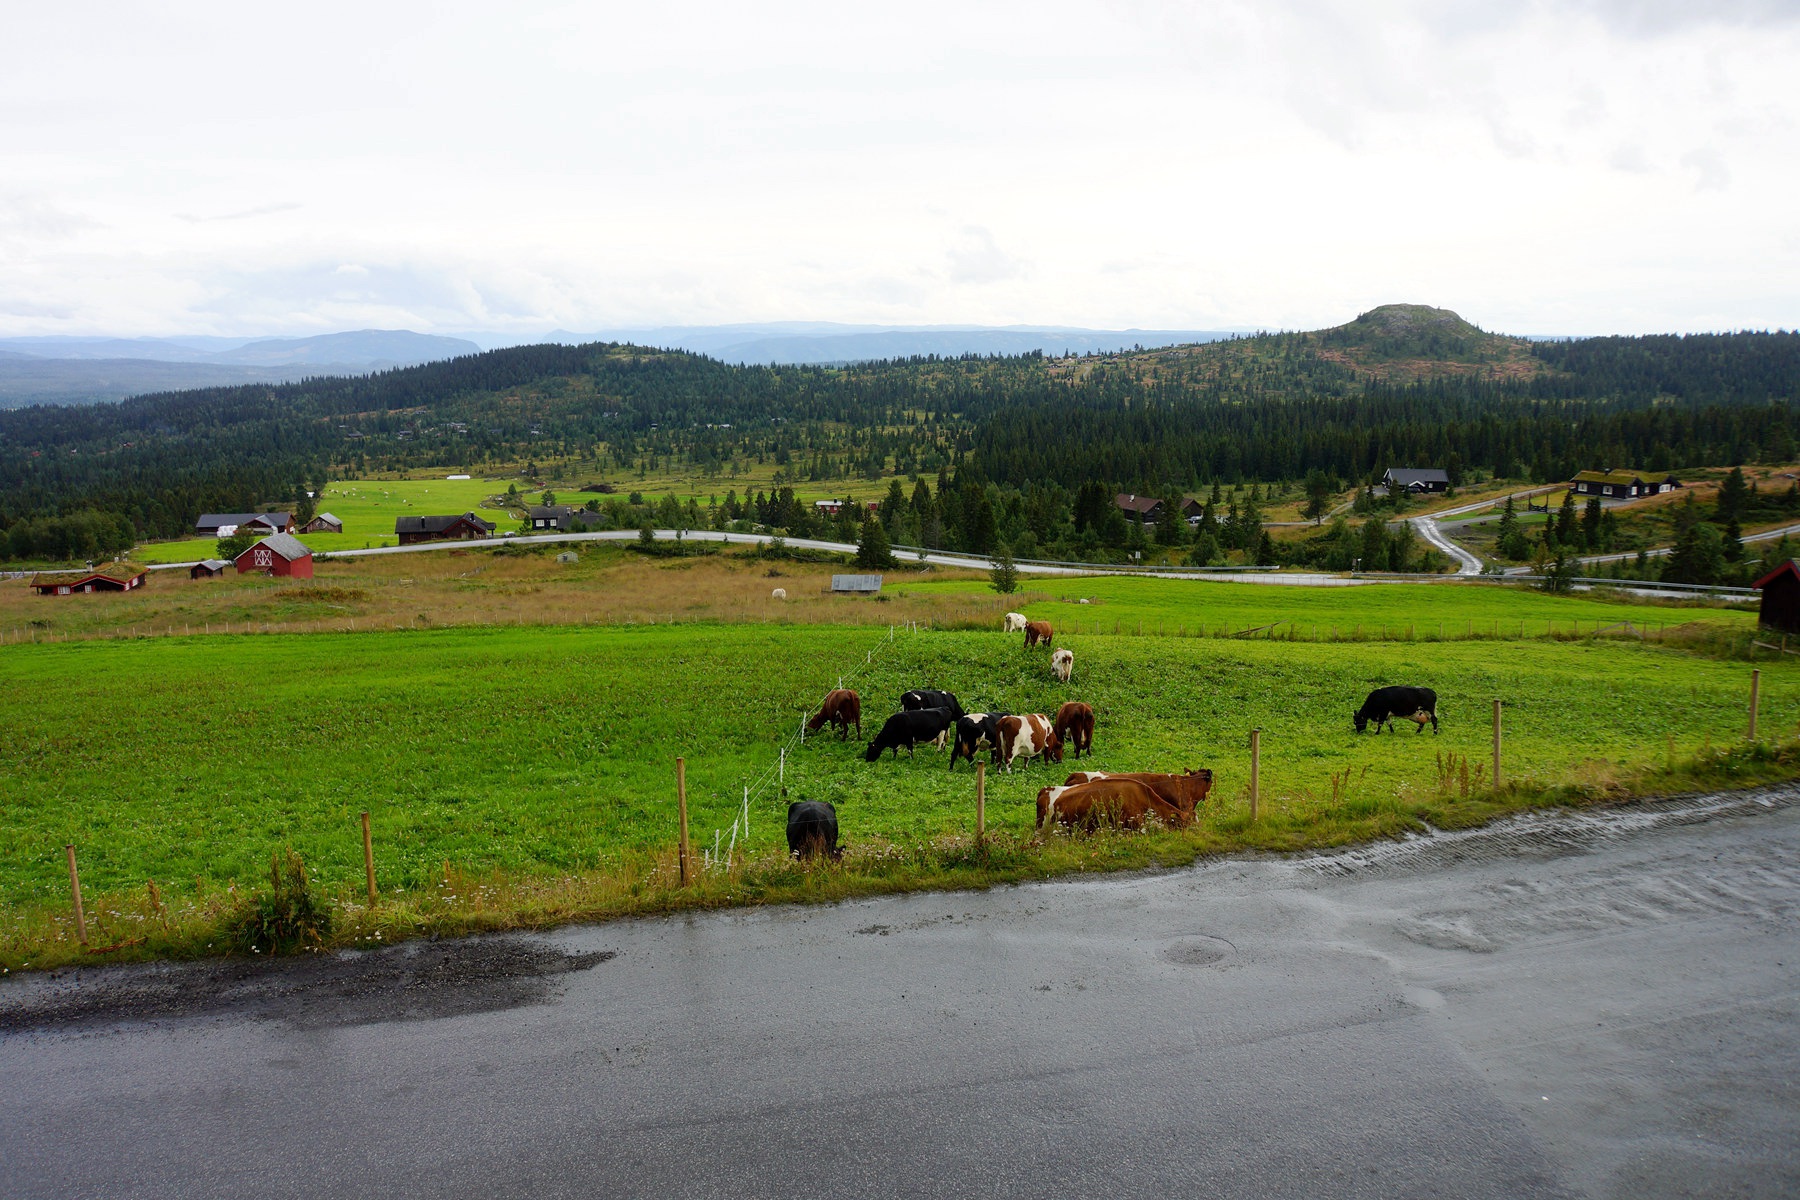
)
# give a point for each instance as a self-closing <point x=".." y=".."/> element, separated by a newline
<point x="930" y="698"/>
<point x="973" y="731"/>
<point x="1415" y="704"/>
<point x="908" y="729"/>
<point x="812" y="829"/>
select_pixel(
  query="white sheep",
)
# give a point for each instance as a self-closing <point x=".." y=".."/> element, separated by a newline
<point x="778" y="594"/>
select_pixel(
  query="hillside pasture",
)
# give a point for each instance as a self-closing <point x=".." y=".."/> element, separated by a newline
<point x="547" y="753"/>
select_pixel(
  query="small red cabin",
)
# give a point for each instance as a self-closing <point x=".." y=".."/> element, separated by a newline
<point x="113" y="577"/>
<point x="277" y="554"/>
<point x="1780" y="590"/>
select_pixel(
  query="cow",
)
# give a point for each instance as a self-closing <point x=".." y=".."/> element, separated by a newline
<point x="778" y="594"/>
<point x="1124" y="803"/>
<point x="973" y="730"/>
<point x="908" y="729"/>
<point x="1027" y="737"/>
<point x="812" y="829"/>
<point x="842" y="708"/>
<point x="1037" y="632"/>
<point x="1415" y="704"/>
<point x="1187" y="791"/>
<point x="1062" y="662"/>
<point x="1014" y="623"/>
<point x="1074" y="724"/>
<point x="929" y="698"/>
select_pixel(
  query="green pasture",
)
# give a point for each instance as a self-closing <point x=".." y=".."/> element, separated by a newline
<point x="542" y="752"/>
<point x="1171" y="606"/>
<point x="367" y="508"/>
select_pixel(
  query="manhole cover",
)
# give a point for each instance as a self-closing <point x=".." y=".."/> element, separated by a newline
<point x="1197" y="951"/>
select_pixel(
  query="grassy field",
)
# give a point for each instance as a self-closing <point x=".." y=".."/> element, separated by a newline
<point x="367" y="509"/>
<point x="1175" y="606"/>
<point x="544" y="756"/>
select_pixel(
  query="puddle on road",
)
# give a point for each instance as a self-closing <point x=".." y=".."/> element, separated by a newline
<point x="1549" y="833"/>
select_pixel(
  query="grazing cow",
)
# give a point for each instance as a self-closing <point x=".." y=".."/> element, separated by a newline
<point x="812" y="829"/>
<point x="973" y="730"/>
<point x="908" y="729"/>
<point x="843" y="708"/>
<point x="1415" y="704"/>
<point x="1036" y="632"/>
<point x="1186" y="792"/>
<point x="1015" y="623"/>
<point x="778" y="594"/>
<point x="929" y="698"/>
<point x="1027" y="737"/>
<point x="1124" y="803"/>
<point x="1062" y="663"/>
<point x="1074" y="724"/>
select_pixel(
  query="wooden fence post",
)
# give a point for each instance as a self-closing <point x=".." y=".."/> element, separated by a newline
<point x="681" y="808"/>
<point x="75" y="891"/>
<point x="1255" y="770"/>
<point x="1496" y="745"/>
<point x="980" y="800"/>
<point x="1755" y="695"/>
<point x="368" y="858"/>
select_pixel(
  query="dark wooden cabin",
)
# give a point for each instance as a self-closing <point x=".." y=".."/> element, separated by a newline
<point x="1780" y="590"/>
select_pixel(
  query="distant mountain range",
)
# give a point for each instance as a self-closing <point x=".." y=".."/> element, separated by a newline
<point x="76" y="370"/>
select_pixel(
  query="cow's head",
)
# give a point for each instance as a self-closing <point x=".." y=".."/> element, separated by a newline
<point x="1053" y="748"/>
<point x="1361" y="722"/>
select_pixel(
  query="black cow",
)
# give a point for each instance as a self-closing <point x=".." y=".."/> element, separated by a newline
<point x="927" y="698"/>
<point x="972" y="730"/>
<point x="1414" y="704"/>
<point x="812" y="829"/>
<point x="908" y="729"/>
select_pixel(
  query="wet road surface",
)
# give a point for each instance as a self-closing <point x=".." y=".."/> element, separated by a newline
<point x="1600" y="1005"/>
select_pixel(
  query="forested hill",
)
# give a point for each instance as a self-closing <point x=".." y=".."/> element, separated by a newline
<point x="1401" y="384"/>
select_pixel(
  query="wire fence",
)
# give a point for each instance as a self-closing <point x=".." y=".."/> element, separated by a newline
<point x="774" y="776"/>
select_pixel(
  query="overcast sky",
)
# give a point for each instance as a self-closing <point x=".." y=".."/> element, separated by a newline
<point x="1607" y="166"/>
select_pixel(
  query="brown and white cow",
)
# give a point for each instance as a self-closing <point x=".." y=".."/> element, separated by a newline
<point x="842" y="708"/>
<point x="1037" y="633"/>
<point x="1074" y="724"/>
<point x="1187" y="791"/>
<point x="1027" y="737"/>
<point x="1123" y="803"/>
<point x="1062" y="662"/>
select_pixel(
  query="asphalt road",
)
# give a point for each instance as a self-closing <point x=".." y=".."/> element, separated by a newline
<point x="1601" y="1005"/>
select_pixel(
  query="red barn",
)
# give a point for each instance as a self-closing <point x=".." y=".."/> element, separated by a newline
<point x="277" y="554"/>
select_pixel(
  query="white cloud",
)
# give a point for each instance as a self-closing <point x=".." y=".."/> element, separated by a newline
<point x="1580" y="167"/>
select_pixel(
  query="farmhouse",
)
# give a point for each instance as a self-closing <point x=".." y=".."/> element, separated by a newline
<point x="113" y="577"/>
<point x="856" y="584"/>
<point x="551" y="516"/>
<point x="1780" y="590"/>
<point x="1145" y="508"/>
<point x="210" y="568"/>
<point x="323" y="523"/>
<point x="459" y="527"/>
<point x="225" y="524"/>
<point x="1622" y="484"/>
<point x="582" y="520"/>
<point x="1417" y="480"/>
<point x="277" y="554"/>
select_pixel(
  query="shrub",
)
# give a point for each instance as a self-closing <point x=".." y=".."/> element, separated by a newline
<point x="285" y="919"/>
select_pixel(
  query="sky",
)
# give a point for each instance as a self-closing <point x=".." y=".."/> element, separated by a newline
<point x="1599" y="166"/>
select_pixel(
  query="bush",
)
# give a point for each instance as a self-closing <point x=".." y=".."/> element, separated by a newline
<point x="1004" y="575"/>
<point x="287" y="918"/>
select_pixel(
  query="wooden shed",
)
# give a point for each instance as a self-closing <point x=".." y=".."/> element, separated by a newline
<point x="113" y="577"/>
<point x="1780" y="590"/>
<point x="323" y="523"/>
<point x="209" y="568"/>
<point x="454" y="527"/>
<point x="277" y="554"/>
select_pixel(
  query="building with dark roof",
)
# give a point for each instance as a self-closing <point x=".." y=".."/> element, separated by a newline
<point x="209" y="568"/>
<point x="1619" y="484"/>
<point x="1780" y="588"/>
<point x="458" y="527"/>
<point x="1416" y="479"/>
<point x="271" y="522"/>
<point x="111" y="577"/>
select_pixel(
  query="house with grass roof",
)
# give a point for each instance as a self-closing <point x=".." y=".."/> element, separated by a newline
<point x="1619" y="485"/>
<point x="112" y="577"/>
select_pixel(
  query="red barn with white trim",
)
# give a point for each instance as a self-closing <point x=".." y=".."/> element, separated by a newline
<point x="277" y="554"/>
